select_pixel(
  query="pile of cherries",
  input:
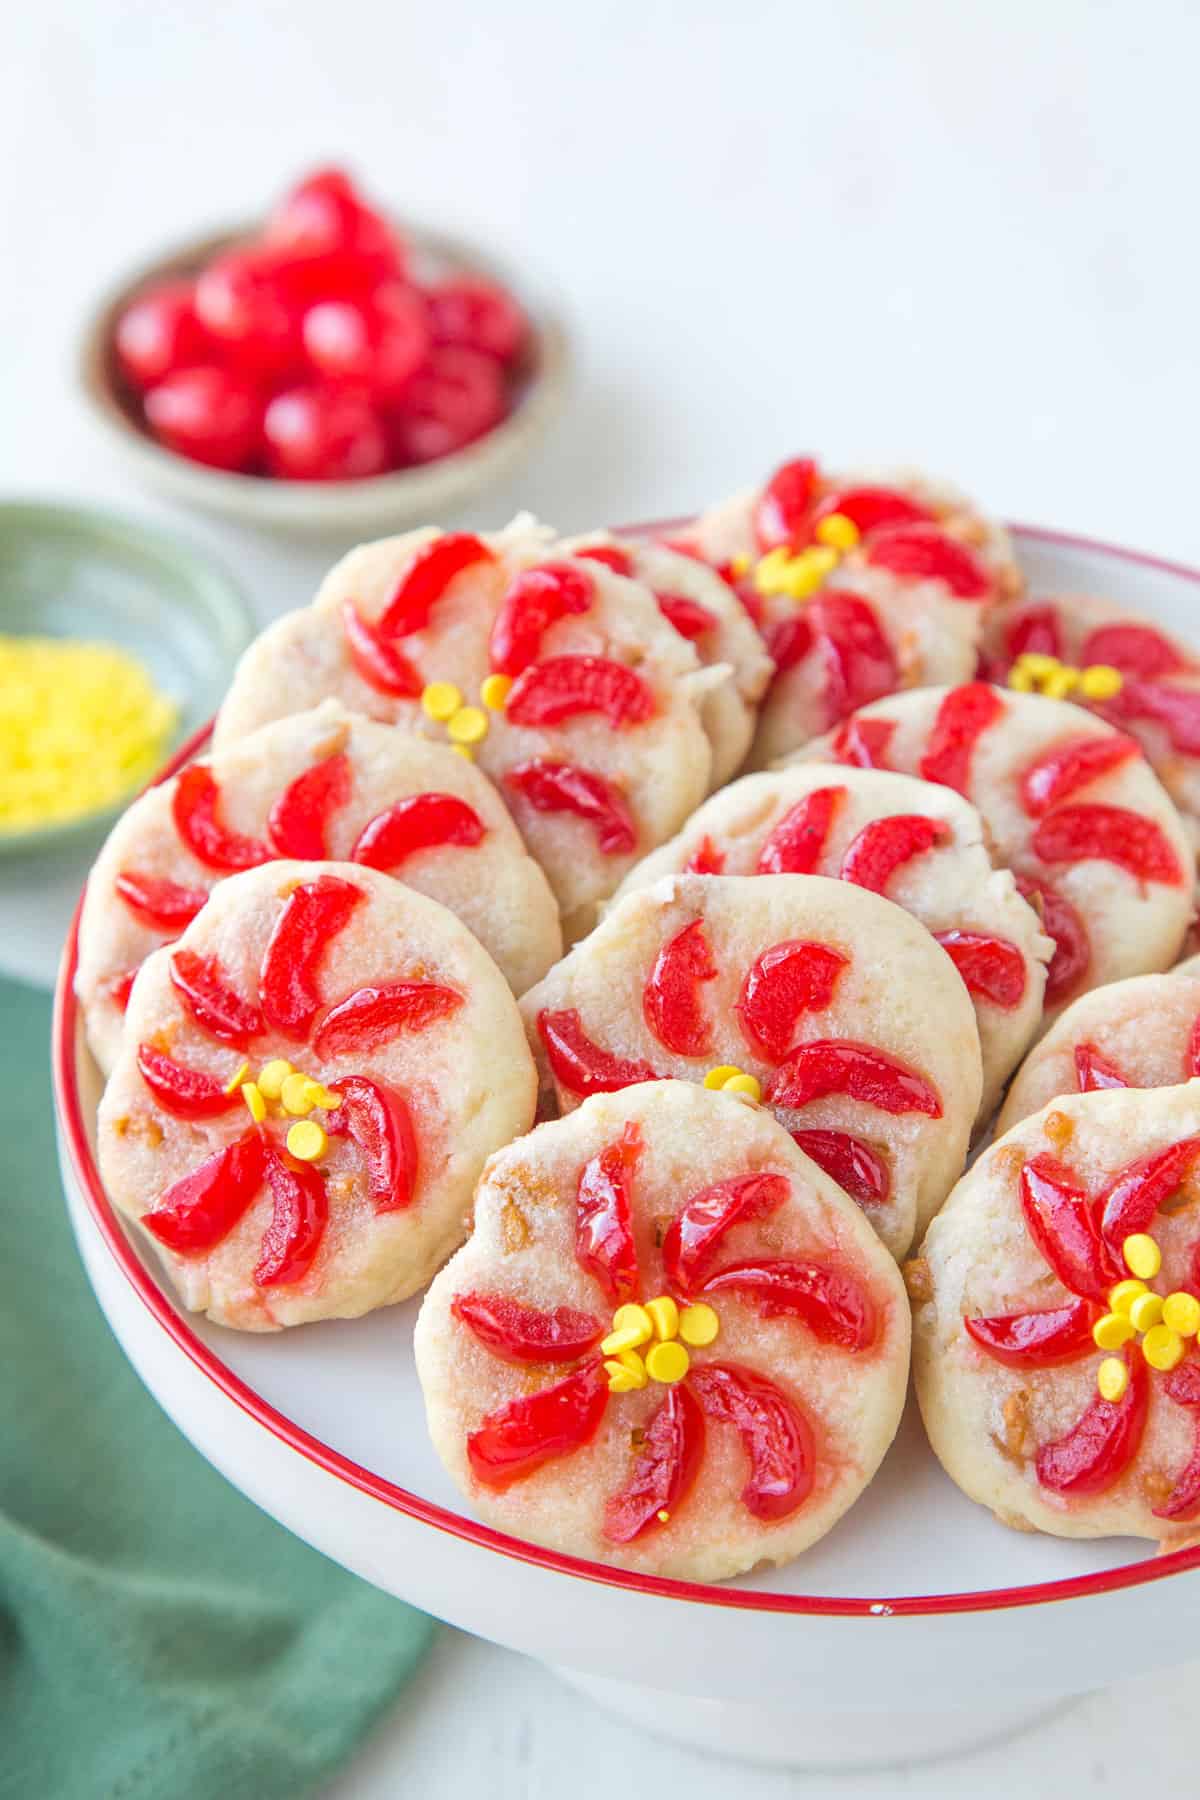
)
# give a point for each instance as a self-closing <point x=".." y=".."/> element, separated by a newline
<point x="312" y="354"/>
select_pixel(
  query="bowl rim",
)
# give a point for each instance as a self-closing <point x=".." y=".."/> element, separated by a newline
<point x="68" y="1106"/>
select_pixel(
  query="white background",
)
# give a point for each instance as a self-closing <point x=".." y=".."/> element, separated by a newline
<point x="961" y="235"/>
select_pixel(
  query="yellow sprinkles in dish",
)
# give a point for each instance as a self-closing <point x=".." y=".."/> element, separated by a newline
<point x="81" y="724"/>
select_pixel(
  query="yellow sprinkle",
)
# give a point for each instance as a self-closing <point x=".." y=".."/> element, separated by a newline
<point x="294" y="1095"/>
<point x="1163" y="1348"/>
<point x="739" y="565"/>
<point x="312" y="1093"/>
<point x="272" y="1077"/>
<point x="1020" y="680"/>
<point x="743" y="1084"/>
<point x="698" y="1325"/>
<point x="440" y="700"/>
<point x="839" y="532"/>
<point x="1038" y="664"/>
<point x="620" y="1379"/>
<point x="1059" y="684"/>
<point x="468" y="726"/>
<point x="237" y="1078"/>
<point x="1112" y="1378"/>
<point x="632" y="1314"/>
<point x="257" y="1106"/>
<point x="662" y="1515"/>
<point x="627" y="1339"/>
<point x="1146" y="1311"/>
<point x="665" y="1315"/>
<point x="307" y="1141"/>
<point x="1122" y="1297"/>
<point x="465" y="751"/>
<point x="1100" y="681"/>
<point x="716" y="1078"/>
<point x="326" y="1097"/>
<point x="667" y="1362"/>
<point x="1142" y="1255"/>
<point x="1113" y="1330"/>
<point x="1182" y="1313"/>
<point x="494" y="691"/>
<point x="769" y="569"/>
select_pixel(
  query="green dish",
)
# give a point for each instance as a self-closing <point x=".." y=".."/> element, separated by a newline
<point x="71" y="572"/>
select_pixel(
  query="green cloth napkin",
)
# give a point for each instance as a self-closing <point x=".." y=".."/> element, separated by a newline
<point x="159" y="1636"/>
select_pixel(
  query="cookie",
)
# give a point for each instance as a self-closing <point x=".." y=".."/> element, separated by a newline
<point x="1055" y="1319"/>
<point x="758" y="1368"/>
<point x="835" y="1004"/>
<point x="325" y="783"/>
<point x="309" y="1083"/>
<point x="562" y="678"/>
<point x="1068" y="804"/>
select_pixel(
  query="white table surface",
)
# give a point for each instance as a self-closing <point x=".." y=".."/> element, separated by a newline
<point x="960" y="236"/>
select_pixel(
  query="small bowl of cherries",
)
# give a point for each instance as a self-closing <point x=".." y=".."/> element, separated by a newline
<point x="330" y="371"/>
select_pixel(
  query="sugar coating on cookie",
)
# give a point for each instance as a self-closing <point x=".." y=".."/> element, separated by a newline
<point x="915" y="843"/>
<point x="832" y="1003"/>
<point x="309" y="1083"/>
<point x="1055" y="1319"/>
<point x="325" y="783"/>
<point x="670" y="1342"/>
<point x="1068" y="804"/>
<point x="561" y="678"/>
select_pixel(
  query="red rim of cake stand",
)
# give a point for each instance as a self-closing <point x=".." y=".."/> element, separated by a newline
<point x="1151" y="1568"/>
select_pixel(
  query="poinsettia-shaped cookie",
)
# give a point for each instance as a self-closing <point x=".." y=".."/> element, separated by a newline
<point x="561" y="677"/>
<point x="862" y="584"/>
<point x="670" y="1342"/>
<point x="325" y="783"/>
<point x="918" y="844"/>
<point x="1056" y="1318"/>
<point x="310" y="1081"/>
<point x="1068" y="804"/>
<point x="831" y="1004"/>
<point x="1120" y="665"/>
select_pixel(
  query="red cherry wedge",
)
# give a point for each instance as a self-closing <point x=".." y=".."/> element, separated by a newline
<point x="195" y="808"/>
<point x="167" y="905"/>
<point x="527" y="1334"/>
<point x="581" y="1065"/>
<point x="1036" y="1340"/>
<point x="611" y="555"/>
<point x="1099" y="1448"/>
<point x="834" y="1307"/>
<point x="923" y="553"/>
<point x="1072" y="946"/>
<point x="202" y="985"/>
<point x="775" y="1435"/>
<point x="426" y="580"/>
<point x="422" y="822"/>
<point x="788" y="642"/>
<point x="1054" y="777"/>
<point x="690" y="619"/>
<point x="371" y="1016"/>
<point x="873" y="508"/>
<point x="298" y="1219"/>
<point x="1183" y="1387"/>
<point x="886" y="845"/>
<point x="705" y="859"/>
<point x="1138" y="1190"/>
<point x="991" y="968"/>
<point x="797" y="842"/>
<point x="520" y="1437"/>
<point x="560" y="787"/>
<point x="858" y="1170"/>
<point x="313" y="914"/>
<point x="1094" y="1070"/>
<point x="860" y="665"/>
<point x="604" y="1244"/>
<point x="963" y="717"/>
<point x="563" y="687"/>
<point x="1111" y="834"/>
<point x="665" y="1472"/>
<point x="781" y="514"/>
<point x="695" y="1234"/>
<point x="299" y="819"/>
<point x="187" y="1093"/>
<point x="1061" y="1220"/>
<point x="377" y="1119"/>
<point x="784" y="983"/>
<point x="196" y="1212"/>
<point x="863" y="743"/>
<point x="1176" y="709"/>
<point x="537" y="599"/>
<point x="380" y="664"/>
<point x="1036" y="629"/>
<point x="835" y="1066"/>
<point x="671" y="1002"/>
<point x="1133" y="649"/>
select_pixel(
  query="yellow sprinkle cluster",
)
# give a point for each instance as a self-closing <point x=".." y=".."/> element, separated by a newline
<point x="1034" y="673"/>
<point x="293" y="1094"/>
<point x="1163" y="1325"/>
<point x="660" y="1324"/>
<point x="465" y="725"/>
<point x="799" y="573"/>
<point x="80" y="725"/>
<point x="727" y="1078"/>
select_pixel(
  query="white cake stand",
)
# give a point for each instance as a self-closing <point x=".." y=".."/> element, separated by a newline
<point x="919" y="1626"/>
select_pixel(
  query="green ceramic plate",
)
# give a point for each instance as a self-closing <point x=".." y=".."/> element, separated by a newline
<point x="67" y="571"/>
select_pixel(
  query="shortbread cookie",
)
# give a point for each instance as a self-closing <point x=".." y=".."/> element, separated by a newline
<point x="670" y="1342"/>
<point x="918" y="844"/>
<point x="325" y="783"/>
<point x="1068" y="804"/>
<point x="563" y="678"/>
<point x="309" y="1083"/>
<point x="1055" y="1319"/>
<point x="831" y="1001"/>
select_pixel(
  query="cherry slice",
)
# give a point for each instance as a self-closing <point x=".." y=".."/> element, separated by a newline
<point x="1035" y="630"/>
<point x="167" y="905"/>
<point x="962" y="718"/>
<point x="665" y="1472"/>
<point x="197" y="1212"/>
<point x="581" y="1065"/>
<point x="379" y="1122"/>
<point x="187" y="1093"/>
<point x="1108" y="834"/>
<point x="835" y="1066"/>
<point x="864" y="743"/>
<point x="563" y="687"/>
<point x="697" y="1232"/>
<point x="789" y="642"/>
<point x="859" y="662"/>
<point x="604" y="1242"/>
<point x="834" y="1307"/>
<point x="670" y="998"/>
<point x="991" y="968"/>
<point x="781" y="512"/>
<point x="924" y="553"/>
<point x="517" y="1439"/>
<point x="537" y="599"/>
<point x="705" y="859"/>
<point x="1136" y="1192"/>
<point x="797" y="843"/>
<point x="858" y="1170"/>
<point x="1183" y="1386"/>
<point x="1075" y="764"/>
<point x="775" y="1435"/>
<point x="1094" y="1071"/>
<point x="1192" y="1064"/>
<point x="874" y="508"/>
<point x="1101" y="1445"/>
<point x="299" y="819"/>
<point x="556" y="787"/>
<point x="201" y="983"/>
<point x="381" y="665"/>
<point x="298" y="1220"/>
<point x="371" y="1016"/>
<point x="426" y="580"/>
<point x="195" y="807"/>
<point x="422" y="822"/>
<point x="1133" y="649"/>
<point x="885" y="845"/>
<point x="690" y="619"/>
<point x="1176" y="709"/>
<point x="120" y="988"/>
<point x="1036" y="1340"/>
<point x="1061" y="1220"/>
<point x="521" y="1333"/>
<point x="784" y="983"/>
<point x="1072" y="947"/>
<point x="611" y="555"/>
<point x="312" y="916"/>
